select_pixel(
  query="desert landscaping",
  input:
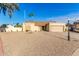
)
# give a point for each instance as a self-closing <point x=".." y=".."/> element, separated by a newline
<point x="39" y="43"/>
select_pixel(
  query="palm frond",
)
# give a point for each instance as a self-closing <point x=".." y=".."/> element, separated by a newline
<point x="8" y="8"/>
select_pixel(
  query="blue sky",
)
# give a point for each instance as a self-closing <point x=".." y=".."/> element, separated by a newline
<point x="43" y="12"/>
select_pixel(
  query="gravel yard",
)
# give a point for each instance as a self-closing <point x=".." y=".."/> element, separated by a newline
<point x="39" y="43"/>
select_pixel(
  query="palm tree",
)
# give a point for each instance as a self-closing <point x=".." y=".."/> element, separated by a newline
<point x="18" y="25"/>
<point x="31" y="15"/>
<point x="8" y="8"/>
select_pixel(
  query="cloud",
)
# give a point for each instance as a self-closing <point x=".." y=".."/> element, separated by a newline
<point x="72" y="17"/>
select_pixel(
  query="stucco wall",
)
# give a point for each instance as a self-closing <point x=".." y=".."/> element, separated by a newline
<point x="30" y="27"/>
<point x="13" y="29"/>
<point x="57" y="27"/>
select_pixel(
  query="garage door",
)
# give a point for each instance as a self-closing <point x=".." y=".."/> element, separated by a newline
<point x="56" y="28"/>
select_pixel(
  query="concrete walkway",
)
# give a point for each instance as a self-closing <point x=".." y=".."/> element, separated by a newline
<point x="76" y="53"/>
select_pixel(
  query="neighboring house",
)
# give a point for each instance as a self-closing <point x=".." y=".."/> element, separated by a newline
<point x="11" y="28"/>
<point x="76" y="24"/>
<point x="44" y="26"/>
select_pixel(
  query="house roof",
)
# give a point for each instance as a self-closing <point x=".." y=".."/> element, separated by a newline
<point x="41" y="23"/>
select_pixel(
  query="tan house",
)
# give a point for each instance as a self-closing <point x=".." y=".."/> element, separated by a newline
<point x="35" y="26"/>
<point x="44" y="26"/>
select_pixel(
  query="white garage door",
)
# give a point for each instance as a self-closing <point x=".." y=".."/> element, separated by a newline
<point x="56" y="28"/>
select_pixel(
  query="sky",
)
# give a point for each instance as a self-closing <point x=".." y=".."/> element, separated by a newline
<point x="59" y="12"/>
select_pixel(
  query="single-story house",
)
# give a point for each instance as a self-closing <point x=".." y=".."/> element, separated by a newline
<point x="44" y="26"/>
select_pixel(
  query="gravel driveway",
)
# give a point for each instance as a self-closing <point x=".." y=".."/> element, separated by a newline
<point x="39" y="43"/>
